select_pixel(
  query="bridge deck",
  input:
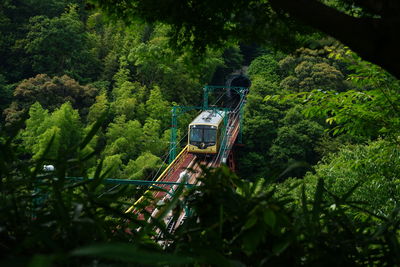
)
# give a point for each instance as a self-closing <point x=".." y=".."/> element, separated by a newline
<point x="183" y="162"/>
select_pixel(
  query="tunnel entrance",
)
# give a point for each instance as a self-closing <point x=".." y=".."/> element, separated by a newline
<point x="237" y="80"/>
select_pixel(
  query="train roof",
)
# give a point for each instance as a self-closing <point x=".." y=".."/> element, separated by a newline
<point x="213" y="117"/>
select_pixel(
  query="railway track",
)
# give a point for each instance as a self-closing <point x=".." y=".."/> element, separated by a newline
<point x="185" y="169"/>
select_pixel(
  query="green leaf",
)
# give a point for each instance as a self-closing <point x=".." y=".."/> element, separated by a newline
<point x="270" y="218"/>
<point x="268" y="97"/>
<point x="280" y="247"/>
<point x="213" y="258"/>
<point x="317" y="205"/>
<point x="130" y="253"/>
<point x="252" y="239"/>
<point x="93" y="130"/>
<point x="41" y="261"/>
<point x="251" y="221"/>
<point x="98" y="179"/>
<point x="304" y="203"/>
<point x="336" y="131"/>
<point x="330" y="120"/>
<point x="351" y="191"/>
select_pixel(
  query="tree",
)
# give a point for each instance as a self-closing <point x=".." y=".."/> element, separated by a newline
<point x="14" y="24"/>
<point x="233" y="59"/>
<point x="261" y="121"/>
<point x="261" y="118"/>
<point x="35" y="124"/>
<point x="5" y="94"/>
<point x="98" y="108"/>
<point x="151" y="137"/>
<point x="144" y="167"/>
<point x="276" y="132"/>
<point x="60" y="45"/>
<point x="112" y="166"/>
<point x="125" y="138"/>
<point x="296" y="139"/>
<point x="310" y="69"/>
<point x="158" y="108"/>
<point x="126" y="104"/>
<point x="63" y="125"/>
<point x="266" y="66"/>
<point x="373" y="166"/>
<point x="372" y="32"/>
<point x="107" y="42"/>
<point x="51" y="93"/>
<point x="157" y="64"/>
<point x="370" y="109"/>
<point x="255" y="223"/>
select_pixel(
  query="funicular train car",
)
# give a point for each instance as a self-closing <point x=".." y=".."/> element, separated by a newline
<point x="205" y="132"/>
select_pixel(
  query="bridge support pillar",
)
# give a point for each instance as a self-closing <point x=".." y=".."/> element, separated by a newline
<point x="231" y="161"/>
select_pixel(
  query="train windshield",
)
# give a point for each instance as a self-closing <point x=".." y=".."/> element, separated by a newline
<point x="210" y="135"/>
<point x="196" y="135"/>
<point x="203" y="133"/>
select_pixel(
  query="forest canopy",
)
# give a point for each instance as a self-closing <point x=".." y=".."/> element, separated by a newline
<point x="86" y="92"/>
<point x="369" y="28"/>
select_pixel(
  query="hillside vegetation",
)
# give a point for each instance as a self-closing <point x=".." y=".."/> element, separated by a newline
<point x="90" y="92"/>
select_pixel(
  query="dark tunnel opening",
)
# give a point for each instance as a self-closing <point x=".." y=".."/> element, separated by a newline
<point x="239" y="81"/>
<point x="233" y="98"/>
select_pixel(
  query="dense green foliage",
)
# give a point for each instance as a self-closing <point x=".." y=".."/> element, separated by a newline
<point x="317" y="181"/>
<point x="68" y="54"/>
<point x="374" y="167"/>
<point x="367" y="27"/>
<point x="240" y="222"/>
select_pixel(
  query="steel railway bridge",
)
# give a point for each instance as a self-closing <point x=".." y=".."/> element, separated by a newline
<point x="184" y="168"/>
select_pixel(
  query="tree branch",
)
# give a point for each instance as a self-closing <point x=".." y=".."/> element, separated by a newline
<point x="374" y="39"/>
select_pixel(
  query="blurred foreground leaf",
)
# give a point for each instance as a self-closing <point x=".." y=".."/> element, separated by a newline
<point x="130" y="253"/>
